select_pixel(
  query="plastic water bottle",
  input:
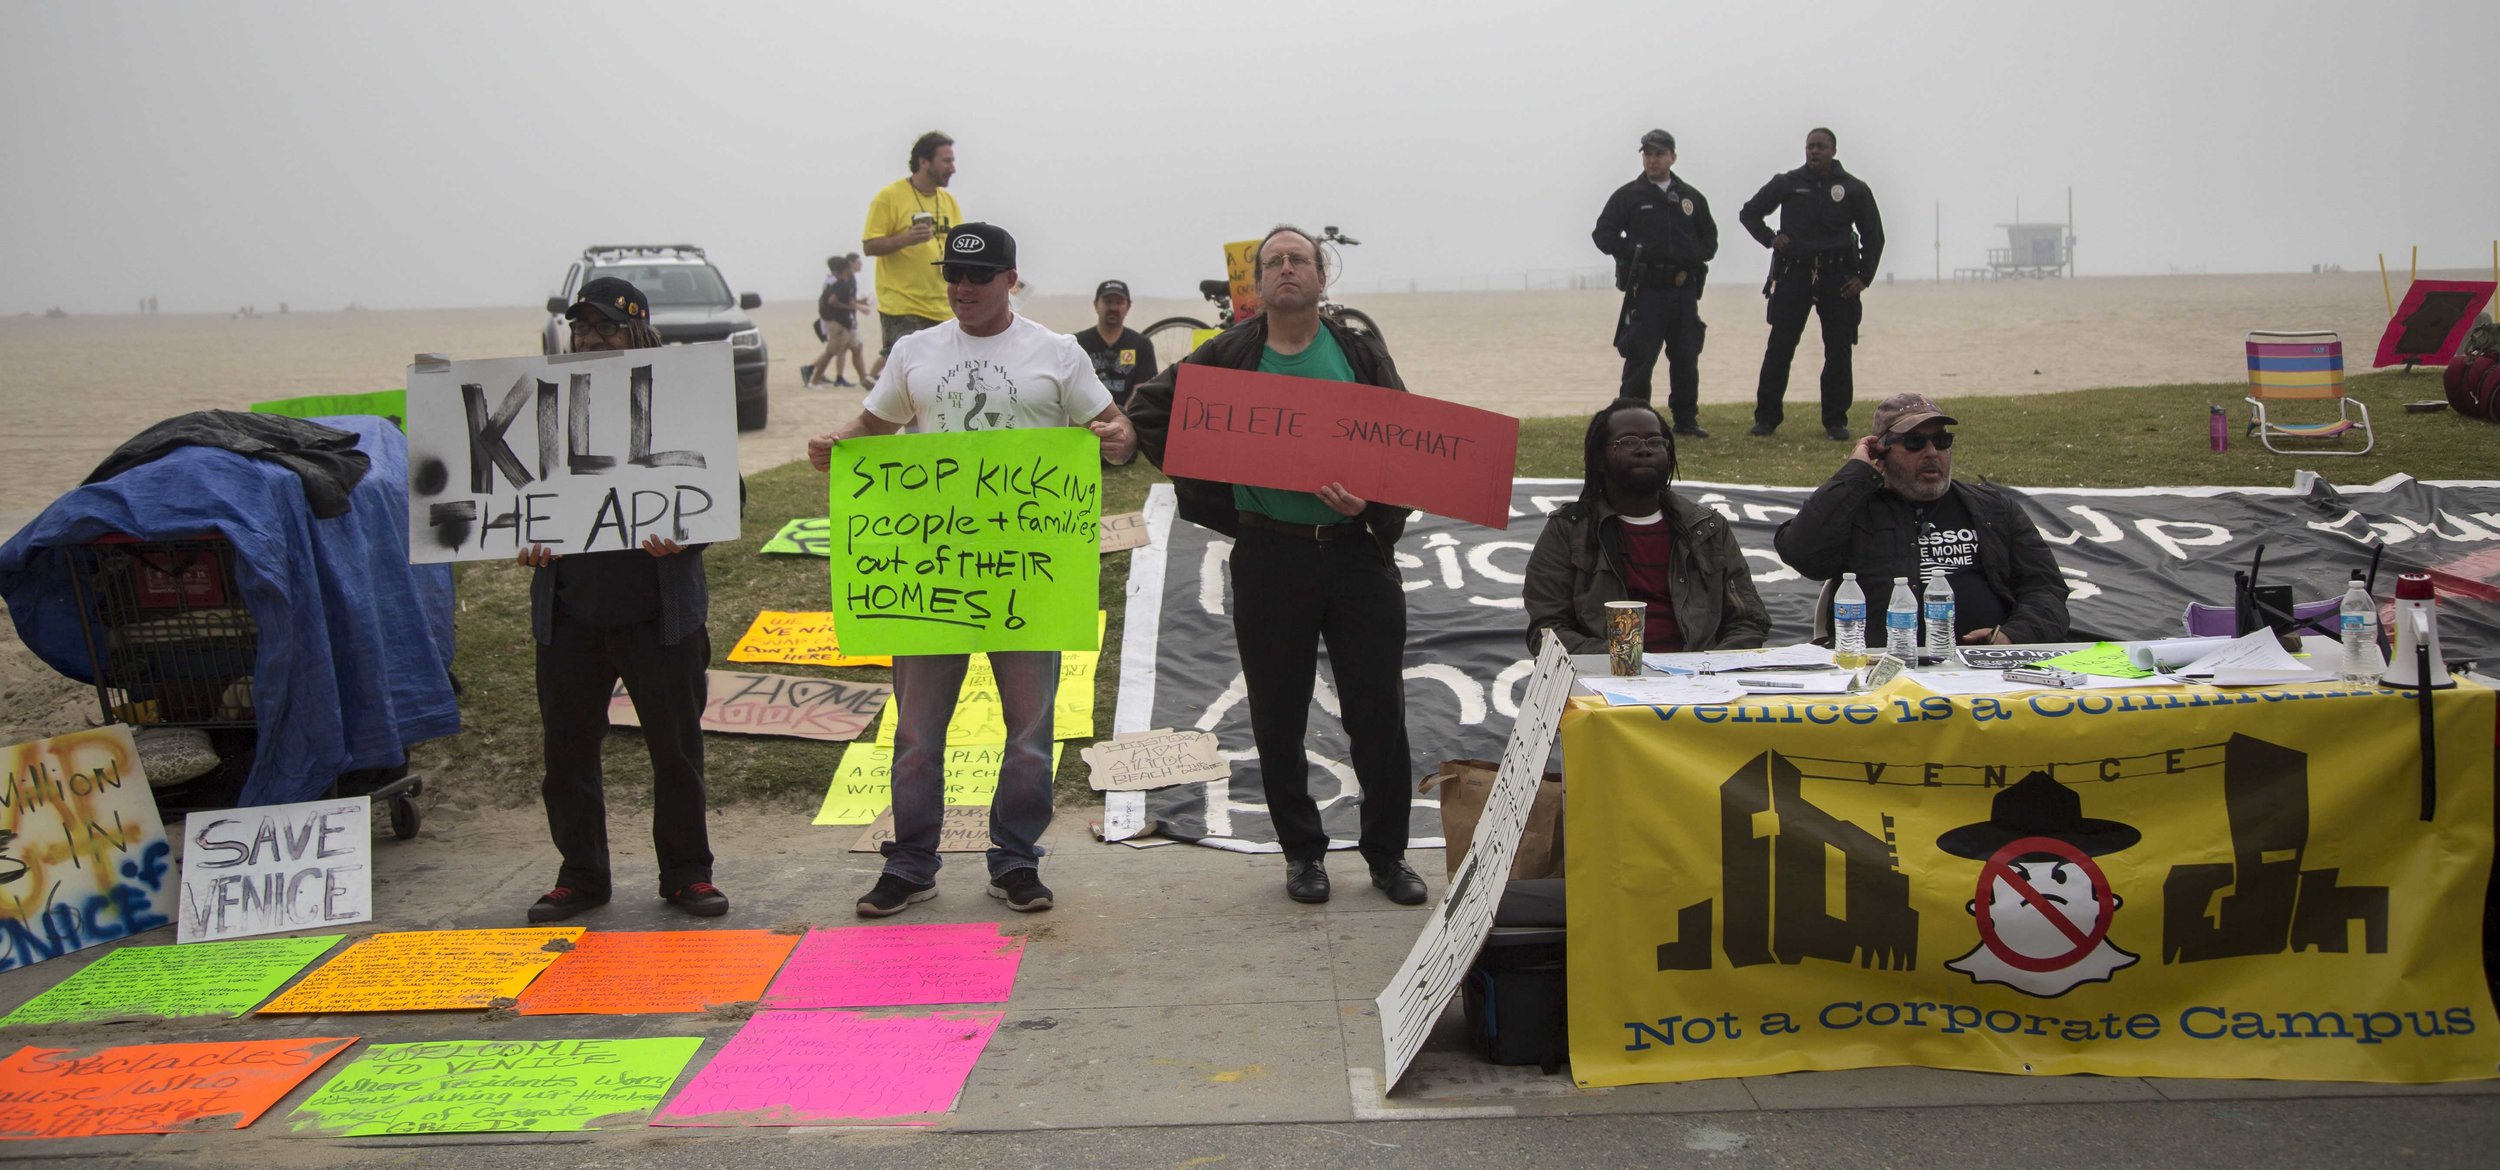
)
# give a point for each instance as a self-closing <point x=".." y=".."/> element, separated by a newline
<point x="1849" y="624"/>
<point x="2360" y="633"/>
<point x="1901" y="622"/>
<point x="2218" y="430"/>
<point x="1937" y="608"/>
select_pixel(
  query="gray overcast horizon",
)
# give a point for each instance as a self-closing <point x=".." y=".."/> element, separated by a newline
<point x="220" y="153"/>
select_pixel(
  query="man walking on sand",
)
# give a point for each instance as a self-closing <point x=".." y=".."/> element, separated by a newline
<point x="837" y="313"/>
<point x="1826" y="251"/>
<point x="907" y="225"/>
<point x="1028" y="376"/>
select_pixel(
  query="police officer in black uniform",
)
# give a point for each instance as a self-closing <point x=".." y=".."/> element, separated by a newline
<point x="1659" y="230"/>
<point x="1825" y="253"/>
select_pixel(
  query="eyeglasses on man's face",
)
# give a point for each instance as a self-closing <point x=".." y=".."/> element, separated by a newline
<point x="1631" y="443"/>
<point x="966" y="274"/>
<point x="1915" y="443"/>
<point x="1281" y="262"/>
<point x="599" y="327"/>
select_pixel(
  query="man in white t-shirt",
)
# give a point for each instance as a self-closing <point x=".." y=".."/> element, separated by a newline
<point x="986" y="369"/>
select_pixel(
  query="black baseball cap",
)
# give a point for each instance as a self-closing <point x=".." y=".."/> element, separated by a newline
<point x="1658" y="140"/>
<point x="1112" y="287"/>
<point x="979" y="245"/>
<point x="613" y="298"/>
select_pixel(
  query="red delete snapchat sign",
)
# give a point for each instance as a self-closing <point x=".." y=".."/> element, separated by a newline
<point x="2128" y="883"/>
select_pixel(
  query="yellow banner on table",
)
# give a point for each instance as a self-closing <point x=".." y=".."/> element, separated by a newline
<point x="803" y="639"/>
<point x="2147" y="882"/>
<point x="863" y="784"/>
<point x="980" y="717"/>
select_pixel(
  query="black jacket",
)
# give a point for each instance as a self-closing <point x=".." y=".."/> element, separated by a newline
<point x="1209" y="503"/>
<point x="1852" y="524"/>
<point x="1661" y="229"/>
<point x="324" y="459"/>
<point x="1570" y="579"/>
<point x="1815" y="222"/>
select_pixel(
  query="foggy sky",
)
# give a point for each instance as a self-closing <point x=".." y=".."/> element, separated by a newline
<point x="450" y="154"/>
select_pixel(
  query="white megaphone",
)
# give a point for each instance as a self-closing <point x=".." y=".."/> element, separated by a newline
<point x="2417" y="630"/>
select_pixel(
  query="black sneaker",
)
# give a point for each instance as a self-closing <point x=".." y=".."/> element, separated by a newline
<point x="891" y="894"/>
<point x="1021" y="889"/>
<point x="1691" y="430"/>
<point x="563" y="902"/>
<point x="1836" y="434"/>
<point x="1763" y="430"/>
<point x="1400" y="882"/>
<point x="701" y="899"/>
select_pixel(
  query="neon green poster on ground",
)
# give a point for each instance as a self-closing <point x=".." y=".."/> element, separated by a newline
<point x="390" y="404"/>
<point x="486" y="1086"/>
<point x="954" y="543"/>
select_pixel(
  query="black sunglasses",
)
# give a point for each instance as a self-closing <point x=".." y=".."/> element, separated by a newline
<point x="1942" y="439"/>
<point x="966" y="274"/>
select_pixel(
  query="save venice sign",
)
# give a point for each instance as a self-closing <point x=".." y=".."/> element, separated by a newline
<point x="581" y="453"/>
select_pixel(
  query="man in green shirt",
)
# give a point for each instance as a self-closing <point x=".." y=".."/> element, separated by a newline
<point x="1307" y="567"/>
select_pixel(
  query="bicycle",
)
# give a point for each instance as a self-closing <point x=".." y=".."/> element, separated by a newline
<point x="1173" y="336"/>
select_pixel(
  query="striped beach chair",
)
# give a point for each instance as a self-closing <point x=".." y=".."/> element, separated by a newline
<point x="2302" y="367"/>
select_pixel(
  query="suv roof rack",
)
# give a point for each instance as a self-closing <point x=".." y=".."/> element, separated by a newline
<point x="597" y="250"/>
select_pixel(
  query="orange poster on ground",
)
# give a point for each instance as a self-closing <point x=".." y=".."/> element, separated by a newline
<point x="427" y="971"/>
<point x="626" y="973"/>
<point x="153" y="1088"/>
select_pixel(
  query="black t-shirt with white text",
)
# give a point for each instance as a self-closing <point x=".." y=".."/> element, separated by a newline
<point x="1948" y="539"/>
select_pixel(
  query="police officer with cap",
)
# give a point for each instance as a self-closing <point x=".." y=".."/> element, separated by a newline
<point x="1825" y="253"/>
<point x="1658" y="229"/>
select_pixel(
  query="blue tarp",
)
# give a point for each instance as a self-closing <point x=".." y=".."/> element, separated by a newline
<point x="355" y="643"/>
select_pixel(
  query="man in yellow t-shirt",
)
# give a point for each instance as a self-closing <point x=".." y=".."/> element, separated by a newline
<point x="907" y="224"/>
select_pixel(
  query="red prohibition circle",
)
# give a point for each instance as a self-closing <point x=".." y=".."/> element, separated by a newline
<point x="2001" y="867"/>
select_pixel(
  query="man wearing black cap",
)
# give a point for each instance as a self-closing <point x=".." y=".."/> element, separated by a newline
<point x="986" y="368"/>
<point x="1658" y="229"/>
<point x="600" y="617"/>
<point x="1894" y="510"/>
<point x="1122" y="356"/>
<point x="1824" y="254"/>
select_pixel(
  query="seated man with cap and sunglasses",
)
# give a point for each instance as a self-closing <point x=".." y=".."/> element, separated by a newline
<point x="1894" y="510"/>
<point x="985" y="369"/>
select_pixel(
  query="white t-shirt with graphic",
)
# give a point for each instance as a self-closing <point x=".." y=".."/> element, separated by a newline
<point x="942" y="379"/>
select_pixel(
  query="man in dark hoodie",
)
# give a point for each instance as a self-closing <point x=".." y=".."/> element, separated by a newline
<point x="1308" y="566"/>
<point x="1825" y="253"/>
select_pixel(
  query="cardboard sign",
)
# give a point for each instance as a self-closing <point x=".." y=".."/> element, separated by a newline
<point x="1155" y="759"/>
<point x="1241" y="271"/>
<point x="863" y="784"/>
<point x="82" y="852"/>
<point x="587" y="452"/>
<point x="800" y="639"/>
<point x="389" y="404"/>
<point x="1301" y="434"/>
<point x="896" y="966"/>
<point x="612" y="973"/>
<point x="962" y="829"/>
<point x="834" y="1068"/>
<point x="811" y="536"/>
<point x="427" y="971"/>
<point x="954" y="542"/>
<point x="1124" y="531"/>
<point x="250" y="871"/>
<point x="153" y="1088"/>
<point x="171" y="983"/>
<point x="740" y="703"/>
<point x="1416" y="995"/>
<point x="981" y="718"/>
<point x="496" y="1086"/>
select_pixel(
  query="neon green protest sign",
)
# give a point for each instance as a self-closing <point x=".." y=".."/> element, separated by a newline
<point x="389" y="404"/>
<point x="958" y="542"/>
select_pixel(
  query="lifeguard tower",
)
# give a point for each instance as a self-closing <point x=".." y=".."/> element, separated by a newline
<point x="2032" y="251"/>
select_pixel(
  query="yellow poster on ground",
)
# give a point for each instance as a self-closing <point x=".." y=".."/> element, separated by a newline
<point x="980" y="718"/>
<point x="2246" y="884"/>
<point x="863" y="784"/>
<point x="802" y="639"/>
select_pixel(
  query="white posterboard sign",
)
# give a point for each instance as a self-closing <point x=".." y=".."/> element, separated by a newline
<point x="589" y="452"/>
<point x="1422" y="987"/>
<point x="280" y="867"/>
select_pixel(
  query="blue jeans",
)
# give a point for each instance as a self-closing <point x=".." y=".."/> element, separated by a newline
<point x="925" y="686"/>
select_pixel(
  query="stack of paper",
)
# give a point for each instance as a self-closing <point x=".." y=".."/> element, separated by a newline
<point x="1664" y="690"/>
<point x="2254" y="660"/>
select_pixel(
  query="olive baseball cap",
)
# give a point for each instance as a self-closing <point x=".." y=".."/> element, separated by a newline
<point x="1906" y="411"/>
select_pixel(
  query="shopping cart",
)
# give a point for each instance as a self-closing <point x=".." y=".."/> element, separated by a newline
<point x="171" y="643"/>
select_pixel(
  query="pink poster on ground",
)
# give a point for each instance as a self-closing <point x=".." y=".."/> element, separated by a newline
<point x="836" y="1068"/>
<point x="892" y="966"/>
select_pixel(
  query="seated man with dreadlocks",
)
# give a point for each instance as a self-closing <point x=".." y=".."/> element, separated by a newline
<point x="1628" y="538"/>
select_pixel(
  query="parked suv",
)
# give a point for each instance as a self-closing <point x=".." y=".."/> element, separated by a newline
<point x="689" y="302"/>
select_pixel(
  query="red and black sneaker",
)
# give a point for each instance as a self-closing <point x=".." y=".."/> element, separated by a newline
<point x="564" y="902"/>
<point x="702" y="899"/>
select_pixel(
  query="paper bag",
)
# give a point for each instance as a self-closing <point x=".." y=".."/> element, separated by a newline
<point x="1463" y="786"/>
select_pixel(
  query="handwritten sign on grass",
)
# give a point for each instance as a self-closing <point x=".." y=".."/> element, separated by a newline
<point x="496" y="1086"/>
<point x="742" y="702"/>
<point x="1301" y="434"/>
<point x="170" y="983"/>
<point x="153" y="1088"/>
<point x="427" y="971"/>
<point x="624" y="973"/>
<point x="823" y="1068"/>
<point x="1155" y="759"/>
<point x="800" y="639"/>
<point x="83" y="854"/>
<point x="890" y="966"/>
<point x="948" y="543"/>
<point x="863" y="784"/>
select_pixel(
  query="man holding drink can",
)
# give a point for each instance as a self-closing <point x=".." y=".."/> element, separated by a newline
<point x="906" y="231"/>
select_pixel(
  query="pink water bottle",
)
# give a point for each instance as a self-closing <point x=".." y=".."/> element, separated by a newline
<point x="2219" y="429"/>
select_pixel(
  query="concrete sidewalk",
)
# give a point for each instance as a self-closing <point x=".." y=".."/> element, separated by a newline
<point x="1173" y="986"/>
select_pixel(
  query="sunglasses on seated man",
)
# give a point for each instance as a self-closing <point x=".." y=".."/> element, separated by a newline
<point x="966" y="274"/>
<point x="1914" y="442"/>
